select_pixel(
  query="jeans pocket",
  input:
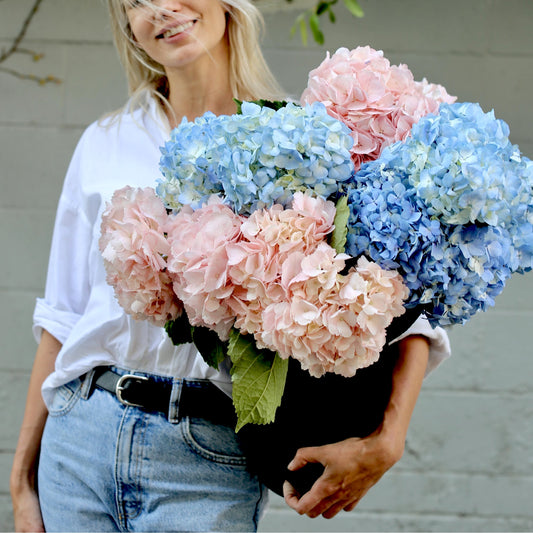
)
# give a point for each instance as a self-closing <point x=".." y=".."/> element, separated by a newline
<point x="215" y="442"/>
<point x="65" y="397"/>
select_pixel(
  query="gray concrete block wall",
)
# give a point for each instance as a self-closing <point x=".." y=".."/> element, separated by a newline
<point x="469" y="459"/>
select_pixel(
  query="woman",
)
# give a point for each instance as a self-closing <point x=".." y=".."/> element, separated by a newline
<point x="127" y="431"/>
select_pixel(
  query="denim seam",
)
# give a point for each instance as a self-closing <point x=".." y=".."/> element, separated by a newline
<point x="118" y="484"/>
<point x="208" y="454"/>
<point x="138" y="467"/>
<point x="257" y="514"/>
<point x="71" y="402"/>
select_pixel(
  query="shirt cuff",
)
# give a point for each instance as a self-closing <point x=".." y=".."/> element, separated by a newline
<point x="439" y="343"/>
<point x="58" y="323"/>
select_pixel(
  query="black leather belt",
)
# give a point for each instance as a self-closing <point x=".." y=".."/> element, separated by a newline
<point x="200" y="399"/>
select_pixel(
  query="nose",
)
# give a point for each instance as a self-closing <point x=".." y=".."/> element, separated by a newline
<point x="167" y="8"/>
<point x="171" y="5"/>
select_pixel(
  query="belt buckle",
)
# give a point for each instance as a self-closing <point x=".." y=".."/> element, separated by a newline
<point x="120" y="388"/>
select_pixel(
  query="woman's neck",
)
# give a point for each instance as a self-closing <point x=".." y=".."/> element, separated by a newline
<point x="197" y="89"/>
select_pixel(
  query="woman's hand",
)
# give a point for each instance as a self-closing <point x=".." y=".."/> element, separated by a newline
<point x="26" y="510"/>
<point x="352" y="467"/>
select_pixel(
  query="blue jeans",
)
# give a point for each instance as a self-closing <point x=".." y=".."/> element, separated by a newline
<point x="108" y="467"/>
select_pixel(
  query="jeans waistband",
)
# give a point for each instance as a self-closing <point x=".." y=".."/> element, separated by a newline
<point x="175" y="398"/>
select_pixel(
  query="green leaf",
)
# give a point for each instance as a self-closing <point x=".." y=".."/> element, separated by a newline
<point x="338" y="237"/>
<point x="212" y="349"/>
<point x="300" y="24"/>
<point x="322" y="7"/>
<point x="273" y="104"/>
<point x="303" y="30"/>
<point x="331" y="15"/>
<point x="239" y="105"/>
<point x="258" y="380"/>
<point x="314" y="24"/>
<point x="179" y="330"/>
<point x="354" y="8"/>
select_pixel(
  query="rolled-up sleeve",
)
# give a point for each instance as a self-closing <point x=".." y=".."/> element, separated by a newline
<point x="439" y="343"/>
<point x="67" y="282"/>
<point x="57" y="322"/>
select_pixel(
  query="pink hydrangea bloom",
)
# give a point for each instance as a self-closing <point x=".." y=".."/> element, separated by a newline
<point x="134" y="249"/>
<point x="198" y="263"/>
<point x="331" y="322"/>
<point x="270" y="238"/>
<point x="271" y="275"/>
<point x="303" y="226"/>
<point x="378" y="101"/>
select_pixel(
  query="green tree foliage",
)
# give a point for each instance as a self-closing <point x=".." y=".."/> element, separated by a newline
<point x="311" y="18"/>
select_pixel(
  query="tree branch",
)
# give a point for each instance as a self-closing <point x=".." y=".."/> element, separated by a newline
<point x="15" y="48"/>
<point x="22" y="32"/>
<point x="32" y="77"/>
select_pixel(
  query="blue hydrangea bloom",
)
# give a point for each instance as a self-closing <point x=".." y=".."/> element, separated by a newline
<point x="466" y="170"/>
<point x="451" y="208"/>
<point x="391" y="225"/>
<point x="469" y="270"/>
<point x="255" y="159"/>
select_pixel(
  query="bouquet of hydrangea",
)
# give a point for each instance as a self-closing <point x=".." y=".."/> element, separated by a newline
<point x="302" y="231"/>
<point x="260" y="266"/>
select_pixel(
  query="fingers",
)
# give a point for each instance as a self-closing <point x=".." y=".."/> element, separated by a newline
<point x="291" y="495"/>
<point x="343" y="505"/>
<point x="330" y="507"/>
<point x="324" y="506"/>
<point x="302" y="457"/>
<point x="310" y="504"/>
<point x="340" y="486"/>
<point x="352" y="506"/>
<point x="325" y="498"/>
<point x="336" y="509"/>
<point x="321" y="497"/>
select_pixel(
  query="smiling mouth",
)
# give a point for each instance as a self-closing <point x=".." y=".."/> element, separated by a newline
<point x="176" y="30"/>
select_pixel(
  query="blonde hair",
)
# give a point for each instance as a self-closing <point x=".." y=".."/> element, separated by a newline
<point x="250" y="76"/>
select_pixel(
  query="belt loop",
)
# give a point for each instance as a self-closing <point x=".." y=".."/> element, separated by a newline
<point x="87" y="386"/>
<point x="174" y="404"/>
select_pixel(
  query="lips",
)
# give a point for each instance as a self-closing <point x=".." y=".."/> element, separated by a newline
<point x="175" y="30"/>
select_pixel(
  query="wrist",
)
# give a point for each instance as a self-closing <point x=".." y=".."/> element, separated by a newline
<point x="19" y="487"/>
<point x="21" y="481"/>
<point x="22" y="478"/>
<point x="391" y="442"/>
<point x="391" y="434"/>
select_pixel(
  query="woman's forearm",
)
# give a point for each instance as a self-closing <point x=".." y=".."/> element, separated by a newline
<point x="406" y="384"/>
<point x="35" y="414"/>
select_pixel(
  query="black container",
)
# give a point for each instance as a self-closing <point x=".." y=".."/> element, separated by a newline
<point x="318" y="411"/>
